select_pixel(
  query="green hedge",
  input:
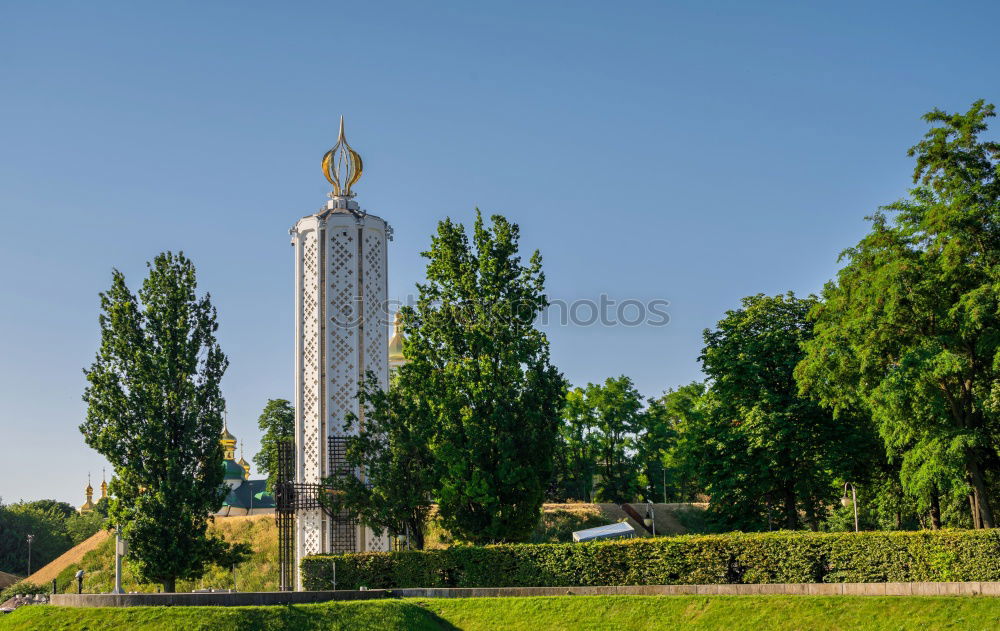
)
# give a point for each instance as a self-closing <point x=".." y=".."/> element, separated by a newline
<point x="780" y="557"/>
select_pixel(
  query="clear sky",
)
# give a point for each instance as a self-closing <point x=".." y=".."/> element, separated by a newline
<point x="695" y="152"/>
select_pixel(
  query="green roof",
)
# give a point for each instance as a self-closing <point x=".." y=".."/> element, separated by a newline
<point x="233" y="470"/>
<point x="250" y="494"/>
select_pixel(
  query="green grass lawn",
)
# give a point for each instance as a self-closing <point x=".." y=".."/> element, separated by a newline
<point x="628" y="613"/>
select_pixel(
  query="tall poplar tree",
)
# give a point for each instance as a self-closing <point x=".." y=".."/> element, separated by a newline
<point x="154" y="410"/>
<point x="492" y="393"/>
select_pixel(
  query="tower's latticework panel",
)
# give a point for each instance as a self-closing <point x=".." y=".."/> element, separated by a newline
<point x="341" y="293"/>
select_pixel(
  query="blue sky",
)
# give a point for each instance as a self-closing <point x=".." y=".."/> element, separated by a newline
<point x="695" y="152"/>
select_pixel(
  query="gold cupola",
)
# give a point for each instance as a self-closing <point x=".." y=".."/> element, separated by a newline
<point x="88" y="506"/>
<point x="228" y="441"/>
<point x="243" y="463"/>
<point x="396" y="358"/>
<point x="104" y="484"/>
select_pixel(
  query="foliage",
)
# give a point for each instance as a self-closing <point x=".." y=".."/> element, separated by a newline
<point x="764" y="453"/>
<point x="533" y="613"/>
<point x="611" y="415"/>
<point x="23" y="588"/>
<point x="574" y="461"/>
<point x="393" y="449"/>
<point x="101" y="506"/>
<point x="778" y="557"/>
<point x="277" y="421"/>
<point x="82" y="526"/>
<point x="258" y="572"/>
<point x="910" y="329"/>
<point x="46" y="520"/>
<point x="53" y="507"/>
<point x="665" y="445"/>
<point x="155" y="412"/>
<point x="481" y="371"/>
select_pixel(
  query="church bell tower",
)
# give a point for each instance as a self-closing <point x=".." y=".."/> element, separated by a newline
<point x="340" y="335"/>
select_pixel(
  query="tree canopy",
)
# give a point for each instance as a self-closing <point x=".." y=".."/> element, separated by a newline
<point x="277" y="421"/>
<point x="765" y="453"/>
<point x="390" y="452"/>
<point x="481" y="372"/>
<point x="910" y="328"/>
<point x="154" y="410"/>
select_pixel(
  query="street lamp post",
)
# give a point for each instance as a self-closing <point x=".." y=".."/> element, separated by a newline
<point x="30" y="539"/>
<point x="853" y="501"/>
<point x="650" y="517"/>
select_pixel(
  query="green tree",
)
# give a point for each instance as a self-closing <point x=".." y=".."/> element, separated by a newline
<point x="81" y="526"/>
<point x="910" y="329"/>
<point x="101" y="507"/>
<point x="768" y="454"/>
<point x="60" y="509"/>
<point x="664" y="445"/>
<point x="575" y="463"/>
<point x="154" y="410"/>
<point x="277" y="421"/>
<point x="46" y="521"/>
<point x="486" y="376"/>
<point x="612" y="414"/>
<point x="390" y="479"/>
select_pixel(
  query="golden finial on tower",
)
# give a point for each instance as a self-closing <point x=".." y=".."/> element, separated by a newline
<point x="104" y="483"/>
<point x="342" y="166"/>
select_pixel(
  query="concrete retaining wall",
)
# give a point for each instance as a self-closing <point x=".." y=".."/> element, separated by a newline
<point x="291" y="598"/>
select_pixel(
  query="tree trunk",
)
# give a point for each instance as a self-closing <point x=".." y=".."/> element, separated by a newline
<point x="976" y="524"/>
<point x="170" y="585"/>
<point x="979" y="486"/>
<point x="935" y="510"/>
<point x="811" y="517"/>
<point x="416" y="535"/>
<point x="791" y="513"/>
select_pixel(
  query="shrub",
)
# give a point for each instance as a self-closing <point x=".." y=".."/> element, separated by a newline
<point x="22" y="587"/>
<point x="780" y="557"/>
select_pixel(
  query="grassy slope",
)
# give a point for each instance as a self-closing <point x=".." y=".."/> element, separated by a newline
<point x="75" y="554"/>
<point x="638" y="613"/>
<point x="258" y="574"/>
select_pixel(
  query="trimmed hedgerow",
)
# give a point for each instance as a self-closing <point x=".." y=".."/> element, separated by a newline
<point x="779" y="557"/>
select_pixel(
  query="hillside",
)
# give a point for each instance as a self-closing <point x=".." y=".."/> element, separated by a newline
<point x="7" y="580"/>
<point x="75" y="554"/>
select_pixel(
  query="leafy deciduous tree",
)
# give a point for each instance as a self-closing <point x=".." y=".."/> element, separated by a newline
<point x="764" y="447"/>
<point x="277" y="421"/>
<point x="484" y="372"/>
<point x="910" y="329"/>
<point x="391" y="477"/>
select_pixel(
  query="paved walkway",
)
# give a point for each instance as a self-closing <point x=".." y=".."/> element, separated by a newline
<point x="287" y="598"/>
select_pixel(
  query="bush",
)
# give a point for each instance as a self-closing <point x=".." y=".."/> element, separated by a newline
<point x="780" y="557"/>
<point x="22" y="587"/>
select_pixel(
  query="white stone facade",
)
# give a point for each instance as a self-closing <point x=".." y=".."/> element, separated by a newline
<point x="340" y="332"/>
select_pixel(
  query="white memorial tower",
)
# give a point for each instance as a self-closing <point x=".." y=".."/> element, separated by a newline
<point x="340" y="335"/>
